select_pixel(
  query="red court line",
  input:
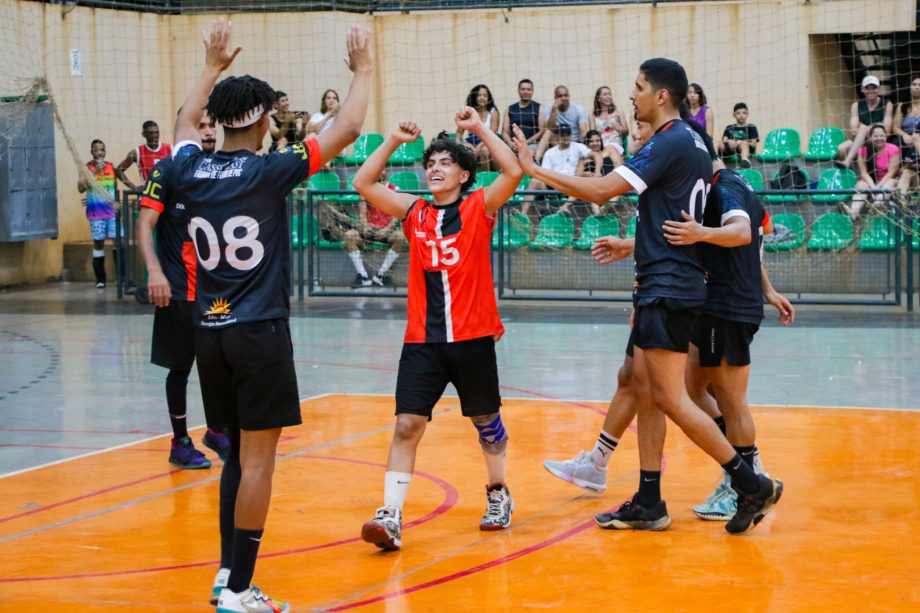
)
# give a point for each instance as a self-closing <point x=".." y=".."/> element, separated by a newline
<point x="451" y="496"/>
<point x="469" y="571"/>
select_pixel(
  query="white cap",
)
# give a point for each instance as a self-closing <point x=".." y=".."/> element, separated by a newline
<point x="870" y="81"/>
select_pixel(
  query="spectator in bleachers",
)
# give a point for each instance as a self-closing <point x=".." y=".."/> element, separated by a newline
<point x="699" y="110"/>
<point x="525" y="114"/>
<point x="564" y="112"/>
<point x="562" y="158"/>
<point x="609" y="120"/>
<point x="600" y="161"/>
<point x="374" y="225"/>
<point x="145" y="156"/>
<point x="325" y="117"/>
<point x="97" y="181"/>
<point x="906" y="122"/>
<point x="286" y="127"/>
<point x="740" y="138"/>
<point x="879" y="167"/>
<point x="871" y="110"/>
<point x="480" y="98"/>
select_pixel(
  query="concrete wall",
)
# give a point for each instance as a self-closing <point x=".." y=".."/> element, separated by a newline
<point x="778" y="56"/>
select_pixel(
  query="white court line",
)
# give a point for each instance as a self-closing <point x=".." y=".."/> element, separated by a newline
<point x="90" y="454"/>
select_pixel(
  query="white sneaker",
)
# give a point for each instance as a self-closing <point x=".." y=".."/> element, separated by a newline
<point x="499" y="507"/>
<point x="385" y="530"/>
<point x="220" y="582"/>
<point x="581" y="471"/>
<point x="721" y="504"/>
<point x="249" y="601"/>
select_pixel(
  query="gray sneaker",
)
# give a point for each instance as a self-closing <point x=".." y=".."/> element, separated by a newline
<point x="385" y="530"/>
<point x="499" y="507"/>
<point x="581" y="471"/>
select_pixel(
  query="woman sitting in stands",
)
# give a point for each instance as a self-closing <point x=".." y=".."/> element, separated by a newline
<point x="879" y="166"/>
<point x="609" y="120"/>
<point x="480" y="98"/>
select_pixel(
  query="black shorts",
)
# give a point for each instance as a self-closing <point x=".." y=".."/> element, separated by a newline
<point x="173" y="342"/>
<point x="631" y="343"/>
<point x="425" y="369"/>
<point x="656" y="326"/>
<point x="247" y="375"/>
<point x="717" y="338"/>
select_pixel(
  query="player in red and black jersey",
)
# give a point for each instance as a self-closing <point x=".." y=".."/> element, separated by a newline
<point x="235" y="202"/>
<point x="453" y="318"/>
<point x="171" y="287"/>
<point x="671" y="174"/>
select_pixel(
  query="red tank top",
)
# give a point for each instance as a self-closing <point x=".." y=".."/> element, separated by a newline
<point x="451" y="297"/>
<point x="377" y="218"/>
<point x="147" y="157"/>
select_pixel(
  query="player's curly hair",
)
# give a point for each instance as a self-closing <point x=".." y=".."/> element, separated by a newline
<point x="460" y="154"/>
<point x="233" y="97"/>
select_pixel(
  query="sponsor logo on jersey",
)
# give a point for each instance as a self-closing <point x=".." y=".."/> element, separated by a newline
<point x="208" y="170"/>
<point x="220" y="307"/>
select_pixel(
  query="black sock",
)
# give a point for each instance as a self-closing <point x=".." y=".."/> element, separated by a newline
<point x="176" y="382"/>
<point x="742" y="475"/>
<point x="245" y="551"/>
<point x="649" y="488"/>
<point x="747" y="454"/>
<point x="229" y="486"/>
<point x="99" y="268"/>
<point x="720" y="421"/>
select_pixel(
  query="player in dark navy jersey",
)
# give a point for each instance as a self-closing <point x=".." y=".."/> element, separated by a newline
<point x="730" y="242"/>
<point x="670" y="293"/>
<point x="235" y="203"/>
<point x="171" y="287"/>
<point x="453" y="320"/>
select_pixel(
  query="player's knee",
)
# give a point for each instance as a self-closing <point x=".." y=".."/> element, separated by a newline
<point x="407" y="430"/>
<point x="492" y="434"/>
<point x="625" y="374"/>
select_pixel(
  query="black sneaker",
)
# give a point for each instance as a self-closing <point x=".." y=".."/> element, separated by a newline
<point x="360" y="281"/>
<point x="744" y="163"/>
<point x="632" y="516"/>
<point x="753" y="507"/>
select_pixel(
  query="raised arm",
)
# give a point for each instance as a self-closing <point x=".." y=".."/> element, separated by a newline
<point x="736" y="231"/>
<point x="365" y="181"/>
<point x="507" y="182"/>
<point x="593" y="189"/>
<point x="217" y="58"/>
<point x="350" y="119"/>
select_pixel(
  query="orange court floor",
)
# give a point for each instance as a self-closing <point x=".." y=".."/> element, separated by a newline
<point x="119" y="530"/>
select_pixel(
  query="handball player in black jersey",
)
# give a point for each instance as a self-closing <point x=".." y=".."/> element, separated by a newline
<point x="671" y="173"/>
<point x="235" y="203"/>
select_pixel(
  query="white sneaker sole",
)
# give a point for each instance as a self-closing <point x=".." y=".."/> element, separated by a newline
<point x="587" y="485"/>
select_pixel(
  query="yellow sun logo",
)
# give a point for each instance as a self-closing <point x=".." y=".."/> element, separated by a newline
<point x="220" y="306"/>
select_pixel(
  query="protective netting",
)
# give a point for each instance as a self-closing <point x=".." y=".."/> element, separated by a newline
<point x="798" y="66"/>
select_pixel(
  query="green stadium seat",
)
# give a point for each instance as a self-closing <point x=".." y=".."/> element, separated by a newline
<point x="408" y="154"/>
<point x="777" y="198"/>
<point x="823" y="143"/>
<point x="795" y="223"/>
<point x="831" y="232"/>
<point x="322" y="181"/>
<point x="406" y="181"/>
<point x="781" y="145"/>
<point x="352" y="196"/>
<point x="915" y="230"/>
<point x="752" y="176"/>
<point x="878" y="234"/>
<point x="594" y="228"/>
<point x="484" y="179"/>
<point x="556" y="231"/>
<point x="364" y="147"/>
<point x="631" y="227"/>
<point x="835" y="178"/>
<point x="516" y="231"/>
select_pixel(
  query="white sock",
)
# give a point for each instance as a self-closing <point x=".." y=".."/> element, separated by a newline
<point x="395" y="488"/>
<point x="358" y="261"/>
<point x="388" y="261"/>
<point x="603" y="449"/>
<point x="98" y="253"/>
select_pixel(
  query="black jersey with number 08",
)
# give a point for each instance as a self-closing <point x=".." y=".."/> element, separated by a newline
<point x="735" y="290"/>
<point x="235" y="201"/>
<point x="671" y="173"/>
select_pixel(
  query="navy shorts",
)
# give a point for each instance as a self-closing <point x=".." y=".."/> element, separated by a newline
<point x="425" y="369"/>
<point x="717" y="338"/>
<point x="247" y="375"/>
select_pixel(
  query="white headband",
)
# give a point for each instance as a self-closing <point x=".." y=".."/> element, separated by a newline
<point x="251" y="116"/>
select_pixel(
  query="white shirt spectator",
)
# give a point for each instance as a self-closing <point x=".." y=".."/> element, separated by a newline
<point x="316" y="118"/>
<point x="564" y="161"/>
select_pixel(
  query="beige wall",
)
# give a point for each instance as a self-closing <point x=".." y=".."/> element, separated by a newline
<point x="776" y="56"/>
